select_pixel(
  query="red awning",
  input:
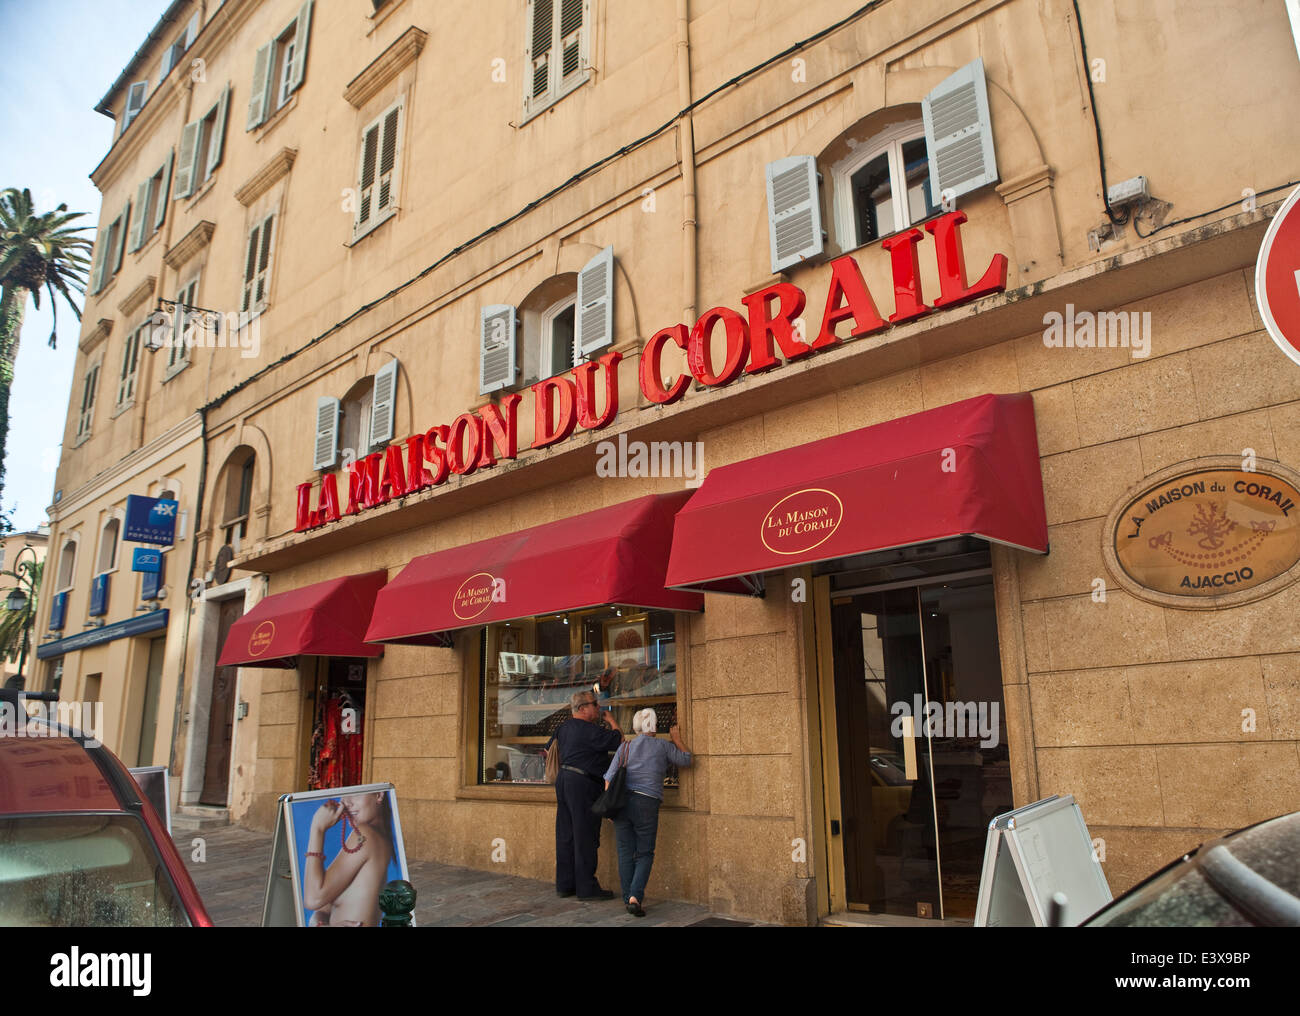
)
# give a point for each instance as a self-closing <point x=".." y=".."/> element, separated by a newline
<point x="610" y="555"/>
<point x="324" y="619"/>
<point x="970" y="468"/>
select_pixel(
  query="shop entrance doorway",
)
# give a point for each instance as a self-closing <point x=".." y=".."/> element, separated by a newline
<point x="221" y="715"/>
<point x="914" y="734"/>
<point x="335" y="749"/>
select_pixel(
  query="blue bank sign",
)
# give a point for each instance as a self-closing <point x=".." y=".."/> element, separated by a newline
<point x="150" y="520"/>
<point x="145" y="560"/>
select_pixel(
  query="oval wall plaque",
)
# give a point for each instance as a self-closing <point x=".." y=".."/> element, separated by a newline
<point x="473" y="596"/>
<point x="1209" y="533"/>
<point x="801" y="521"/>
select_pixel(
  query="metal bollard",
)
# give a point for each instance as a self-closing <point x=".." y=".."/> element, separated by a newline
<point x="397" y="902"/>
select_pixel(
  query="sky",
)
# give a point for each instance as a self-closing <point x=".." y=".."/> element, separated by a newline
<point x="61" y="56"/>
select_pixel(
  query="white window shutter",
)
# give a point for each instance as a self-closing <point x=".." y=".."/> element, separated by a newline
<point x="594" y="313"/>
<point x="191" y="30"/>
<point x="185" y="165"/>
<point x="160" y="212"/>
<point x="390" y="140"/>
<point x="301" y="34"/>
<point x="571" y="37"/>
<point x="541" y="42"/>
<point x="794" y="214"/>
<point x="218" y="141"/>
<point x="98" y="262"/>
<point x="367" y="161"/>
<point x="135" y="100"/>
<point x="264" y="261"/>
<point x="496" y="348"/>
<point x="257" y="96"/>
<point x="250" y="266"/>
<point x="381" y="407"/>
<point x="141" y="216"/>
<point x="327" y="433"/>
<point x="123" y="221"/>
<point x="165" y="67"/>
<point x="959" y="134"/>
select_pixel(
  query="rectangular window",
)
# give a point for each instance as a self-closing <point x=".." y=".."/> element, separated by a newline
<point x="257" y="265"/>
<point x="184" y="322"/>
<point x="531" y="668"/>
<point x="88" y="401"/>
<point x="377" y="170"/>
<point x="558" y="50"/>
<point x="283" y="78"/>
<point x="130" y="365"/>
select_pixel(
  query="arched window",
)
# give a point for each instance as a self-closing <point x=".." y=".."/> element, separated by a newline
<point x="108" y="546"/>
<point x="882" y="184"/>
<point x="67" y="565"/>
<point x="237" y="494"/>
<point x="355" y="410"/>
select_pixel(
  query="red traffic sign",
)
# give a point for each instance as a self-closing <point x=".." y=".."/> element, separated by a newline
<point x="1277" y="277"/>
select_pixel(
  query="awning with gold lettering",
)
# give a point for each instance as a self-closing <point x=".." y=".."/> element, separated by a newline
<point x="966" y="469"/>
<point x="613" y="555"/>
<point x="324" y="619"/>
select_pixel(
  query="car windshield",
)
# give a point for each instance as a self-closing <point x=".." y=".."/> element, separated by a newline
<point x="83" y="871"/>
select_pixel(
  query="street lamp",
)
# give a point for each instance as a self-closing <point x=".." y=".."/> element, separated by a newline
<point x="17" y="600"/>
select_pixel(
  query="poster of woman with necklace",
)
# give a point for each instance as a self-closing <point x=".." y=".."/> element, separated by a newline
<point x="347" y="845"/>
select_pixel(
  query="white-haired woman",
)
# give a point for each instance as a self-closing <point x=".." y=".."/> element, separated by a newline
<point x="647" y="759"/>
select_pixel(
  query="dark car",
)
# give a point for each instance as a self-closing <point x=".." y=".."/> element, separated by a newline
<point x="1248" y="878"/>
<point x="79" y="844"/>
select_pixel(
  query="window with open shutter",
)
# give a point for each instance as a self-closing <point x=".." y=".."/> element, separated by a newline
<point x="98" y="261"/>
<point x="595" y="313"/>
<point x="794" y="215"/>
<point x="139" y="227"/>
<point x="557" y="47"/>
<point x="135" y="100"/>
<point x="130" y="364"/>
<point x="378" y="168"/>
<point x="259" y="94"/>
<point x="381" y="407"/>
<point x="327" y="433"/>
<point x="496" y="348"/>
<point x="959" y="134"/>
<point x="257" y="264"/>
<point x="119" y="238"/>
<point x="88" y="401"/>
<point x="165" y="182"/>
<point x="216" y="134"/>
<point x="184" y="320"/>
<point x="297" y="64"/>
<point x="185" y="164"/>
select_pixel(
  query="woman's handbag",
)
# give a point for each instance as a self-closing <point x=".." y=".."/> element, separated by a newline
<point x="612" y="799"/>
<point x="552" y="759"/>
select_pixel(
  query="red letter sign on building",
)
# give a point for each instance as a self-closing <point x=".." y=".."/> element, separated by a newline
<point x="1277" y="277"/>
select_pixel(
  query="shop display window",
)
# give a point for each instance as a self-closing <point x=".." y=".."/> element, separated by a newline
<point x="531" y="668"/>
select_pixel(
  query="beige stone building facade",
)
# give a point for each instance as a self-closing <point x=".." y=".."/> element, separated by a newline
<point x="422" y="213"/>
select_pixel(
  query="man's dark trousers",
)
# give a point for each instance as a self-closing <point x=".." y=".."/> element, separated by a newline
<point x="577" y="833"/>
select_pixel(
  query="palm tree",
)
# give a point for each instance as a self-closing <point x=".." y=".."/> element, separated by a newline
<point x="35" y="251"/>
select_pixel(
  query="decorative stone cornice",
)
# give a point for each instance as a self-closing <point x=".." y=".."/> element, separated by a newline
<point x="137" y="296"/>
<point x="385" y="67"/>
<point x="260" y="182"/>
<point x="96" y="335"/>
<point x="190" y="244"/>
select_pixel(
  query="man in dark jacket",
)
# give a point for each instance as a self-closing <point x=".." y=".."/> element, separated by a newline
<point x="584" y="743"/>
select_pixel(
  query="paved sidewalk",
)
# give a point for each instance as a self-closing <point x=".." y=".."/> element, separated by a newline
<point x="232" y="882"/>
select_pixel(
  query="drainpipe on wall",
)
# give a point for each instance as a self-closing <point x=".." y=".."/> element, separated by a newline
<point x="686" y="153"/>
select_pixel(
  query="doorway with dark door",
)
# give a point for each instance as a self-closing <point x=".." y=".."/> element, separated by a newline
<point x="919" y="735"/>
<point x="221" y="714"/>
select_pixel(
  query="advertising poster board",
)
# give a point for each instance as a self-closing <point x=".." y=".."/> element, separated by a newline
<point x="359" y="832"/>
<point x="1033" y="853"/>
